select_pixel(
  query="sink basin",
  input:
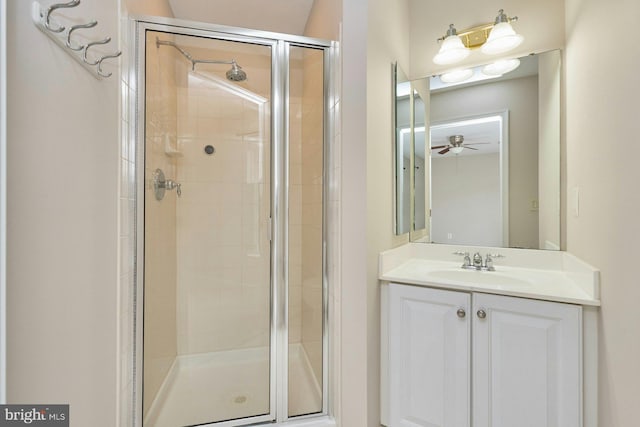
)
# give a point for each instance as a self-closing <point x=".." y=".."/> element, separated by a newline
<point x="478" y="277"/>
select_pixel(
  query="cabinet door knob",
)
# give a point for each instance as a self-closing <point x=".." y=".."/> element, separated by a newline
<point x="461" y="313"/>
<point x="482" y="314"/>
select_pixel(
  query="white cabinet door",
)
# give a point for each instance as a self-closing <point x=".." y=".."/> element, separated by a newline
<point x="526" y="363"/>
<point x="428" y="357"/>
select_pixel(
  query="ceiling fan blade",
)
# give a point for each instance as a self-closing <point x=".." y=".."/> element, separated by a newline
<point x="476" y="143"/>
<point x="445" y="151"/>
<point x="438" y="146"/>
<point x="471" y="148"/>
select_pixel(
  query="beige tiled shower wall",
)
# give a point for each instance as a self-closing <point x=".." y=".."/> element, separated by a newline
<point x="295" y="201"/>
<point x="160" y="344"/>
<point x="222" y="241"/>
<point x="312" y="155"/>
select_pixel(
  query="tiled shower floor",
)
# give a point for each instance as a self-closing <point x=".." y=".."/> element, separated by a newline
<point x="220" y="386"/>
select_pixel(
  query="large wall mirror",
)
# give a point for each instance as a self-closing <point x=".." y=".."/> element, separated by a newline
<point x="486" y="157"/>
<point x="402" y="148"/>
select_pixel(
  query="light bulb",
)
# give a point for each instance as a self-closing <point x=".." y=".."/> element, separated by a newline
<point x="451" y="51"/>
<point x="457" y="150"/>
<point x="457" y="76"/>
<point x="500" y="67"/>
<point x="502" y="38"/>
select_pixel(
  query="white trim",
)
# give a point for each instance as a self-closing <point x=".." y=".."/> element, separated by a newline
<point x="3" y="201"/>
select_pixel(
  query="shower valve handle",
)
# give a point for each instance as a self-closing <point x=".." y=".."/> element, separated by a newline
<point x="161" y="184"/>
<point x="170" y="185"/>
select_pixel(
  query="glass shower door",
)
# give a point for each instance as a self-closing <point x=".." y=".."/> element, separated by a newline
<point x="207" y="278"/>
<point x="306" y="231"/>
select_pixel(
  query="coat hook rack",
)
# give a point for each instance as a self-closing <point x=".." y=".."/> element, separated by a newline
<point x="63" y="31"/>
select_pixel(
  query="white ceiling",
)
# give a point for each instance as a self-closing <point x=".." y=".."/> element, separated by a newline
<point x="282" y="16"/>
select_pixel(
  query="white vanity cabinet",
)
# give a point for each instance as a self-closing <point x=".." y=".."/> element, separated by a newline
<point x="429" y="357"/>
<point x="459" y="359"/>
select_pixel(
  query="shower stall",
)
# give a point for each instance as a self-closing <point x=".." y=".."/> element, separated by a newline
<point x="231" y="294"/>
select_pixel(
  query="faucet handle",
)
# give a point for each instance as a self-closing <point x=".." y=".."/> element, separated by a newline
<point x="467" y="258"/>
<point x="488" y="262"/>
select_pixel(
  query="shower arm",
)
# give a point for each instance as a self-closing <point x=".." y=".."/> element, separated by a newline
<point x="191" y="58"/>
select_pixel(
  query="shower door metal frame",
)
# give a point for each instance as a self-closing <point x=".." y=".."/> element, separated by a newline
<point x="279" y="142"/>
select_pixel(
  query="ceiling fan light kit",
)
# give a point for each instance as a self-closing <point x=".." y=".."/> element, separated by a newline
<point x="456" y="145"/>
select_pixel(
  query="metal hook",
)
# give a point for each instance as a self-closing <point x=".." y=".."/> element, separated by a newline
<point x="86" y="48"/>
<point x="75" y="27"/>
<point x="53" y="7"/>
<point x="115" y="55"/>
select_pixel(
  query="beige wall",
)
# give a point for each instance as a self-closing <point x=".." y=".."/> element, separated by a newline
<point x="148" y="7"/>
<point x="63" y="156"/>
<point x="160" y="343"/>
<point x="520" y="98"/>
<point x="324" y="20"/>
<point x="351" y="307"/>
<point x="387" y="42"/>
<point x="601" y="112"/>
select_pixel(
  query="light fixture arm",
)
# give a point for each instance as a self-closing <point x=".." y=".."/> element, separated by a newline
<point x="451" y="31"/>
<point x="191" y="59"/>
<point x="502" y="17"/>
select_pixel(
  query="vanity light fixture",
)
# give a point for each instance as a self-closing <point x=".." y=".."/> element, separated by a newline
<point x="492" y="38"/>
<point x="457" y="76"/>
<point x="502" y="37"/>
<point x="452" y="49"/>
<point x="500" y="67"/>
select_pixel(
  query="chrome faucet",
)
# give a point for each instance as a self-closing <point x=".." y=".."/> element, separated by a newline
<point x="477" y="260"/>
<point x="477" y="263"/>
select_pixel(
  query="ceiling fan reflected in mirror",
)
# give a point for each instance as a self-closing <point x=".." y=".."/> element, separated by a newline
<point x="456" y="145"/>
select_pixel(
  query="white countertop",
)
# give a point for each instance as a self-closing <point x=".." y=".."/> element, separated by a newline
<point x="546" y="275"/>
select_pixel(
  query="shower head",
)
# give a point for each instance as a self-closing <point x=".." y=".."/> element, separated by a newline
<point x="236" y="74"/>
